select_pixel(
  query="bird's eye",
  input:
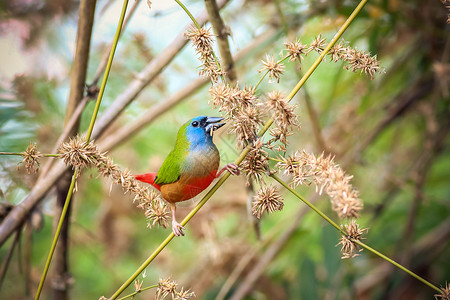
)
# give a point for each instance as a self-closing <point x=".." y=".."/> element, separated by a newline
<point x="195" y="123"/>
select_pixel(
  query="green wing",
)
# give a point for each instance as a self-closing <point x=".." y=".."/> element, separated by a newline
<point x="170" y="170"/>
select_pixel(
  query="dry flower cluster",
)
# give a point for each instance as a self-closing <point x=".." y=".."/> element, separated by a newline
<point x="327" y="176"/>
<point x="241" y="109"/>
<point x="78" y="153"/>
<point x="274" y="68"/>
<point x="202" y="40"/>
<point x="356" y="60"/>
<point x="31" y="158"/>
<point x="168" y="287"/>
<point x="445" y="293"/>
<point x="354" y="233"/>
<point x="267" y="199"/>
<point x="285" y="119"/>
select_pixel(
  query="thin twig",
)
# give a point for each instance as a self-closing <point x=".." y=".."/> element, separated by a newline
<point x="8" y="256"/>
<point x="138" y="291"/>
<point x="221" y="32"/>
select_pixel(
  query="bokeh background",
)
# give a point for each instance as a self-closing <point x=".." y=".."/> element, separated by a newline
<point x="390" y="133"/>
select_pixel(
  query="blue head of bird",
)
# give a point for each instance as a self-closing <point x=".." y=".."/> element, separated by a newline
<point x="198" y="131"/>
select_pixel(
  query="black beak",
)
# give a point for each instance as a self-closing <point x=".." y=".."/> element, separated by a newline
<point x="212" y="124"/>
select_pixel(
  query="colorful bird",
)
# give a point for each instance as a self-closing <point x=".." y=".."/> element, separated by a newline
<point x="191" y="166"/>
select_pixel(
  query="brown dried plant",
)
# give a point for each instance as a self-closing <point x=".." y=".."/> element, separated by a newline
<point x="349" y="248"/>
<point x="78" y="153"/>
<point x="356" y="60"/>
<point x="267" y="199"/>
<point x="202" y="40"/>
<point x="327" y="176"/>
<point x="445" y="293"/>
<point x="168" y="287"/>
<point x="31" y="158"/>
<point x="274" y="68"/>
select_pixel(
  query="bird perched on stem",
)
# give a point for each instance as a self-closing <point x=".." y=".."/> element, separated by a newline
<point x="191" y="166"/>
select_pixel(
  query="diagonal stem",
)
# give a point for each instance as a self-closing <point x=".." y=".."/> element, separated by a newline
<point x="89" y="132"/>
<point x="318" y="211"/>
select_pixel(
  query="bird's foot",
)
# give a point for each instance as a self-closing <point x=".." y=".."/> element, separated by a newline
<point x="177" y="228"/>
<point x="233" y="169"/>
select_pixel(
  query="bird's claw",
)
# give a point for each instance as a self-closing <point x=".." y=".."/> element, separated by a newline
<point x="233" y="169"/>
<point x="177" y="228"/>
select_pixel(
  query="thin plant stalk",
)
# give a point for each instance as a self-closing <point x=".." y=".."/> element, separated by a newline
<point x="312" y="206"/>
<point x="139" y="291"/>
<point x="318" y="211"/>
<point x="241" y="156"/>
<point x="88" y="135"/>
<point x="21" y="153"/>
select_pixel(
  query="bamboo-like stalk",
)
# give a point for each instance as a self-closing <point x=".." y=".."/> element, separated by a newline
<point x="242" y="155"/>
<point x="88" y="136"/>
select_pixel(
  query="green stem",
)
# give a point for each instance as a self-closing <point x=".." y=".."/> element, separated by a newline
<point x="139" y="291"/>
<point x="313" y="207"/>
<point x="353" y="240"/>
<point x="238" y="160"/>
<point x="107" y="70"/>
<point x="58" y="231"/>
<point x="397" y="265"/>
<point x="88" y="136"/>
<point x="188" y="13"/>
<point x="22" y="154"/>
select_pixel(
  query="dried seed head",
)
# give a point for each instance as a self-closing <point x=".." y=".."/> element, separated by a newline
<point x="337" y="52"/>
<point x="274" y="68"/>
<point x="255" y="163"/>
<point x="354" y="233"/>
<point x="202" y="40"/>
<point x="290" y="164"/>
<point x="245" y="124"/>
<point x="445" y="293"/>
<point x="78" y="153"/>
<point x="166" y="287"/>
<point x="282" y="112"/>
<point x="284" y="117"/>
<point x="156" y="212"/>
<point x="317" y="45"/>
<point x="184" y="294"/>
<point x="296" y="50"/>
<point x="221" y="97"/>
<point x="138" y="285"/>
<point x="31" y="158"/>
<point x="267" y="199"/>
<point x="244" y="98"/>
<point x="328" y="177"/>
<point x="360" y="60"/>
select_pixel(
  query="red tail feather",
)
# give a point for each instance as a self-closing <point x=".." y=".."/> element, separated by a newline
<point x="148" y="178"/>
